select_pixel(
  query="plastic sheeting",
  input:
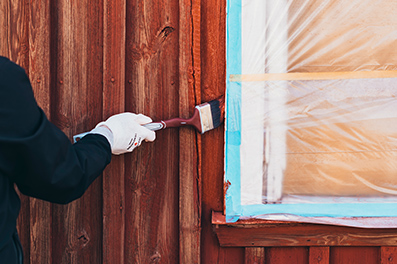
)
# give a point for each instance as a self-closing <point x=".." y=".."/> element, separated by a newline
<point x="311" y="113"/>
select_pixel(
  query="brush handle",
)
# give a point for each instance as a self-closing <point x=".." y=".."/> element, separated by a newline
<point x="154" y="126"/>
<point x="175" y="122"/>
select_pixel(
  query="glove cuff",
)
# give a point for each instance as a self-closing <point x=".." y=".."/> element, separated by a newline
<point x="103" y="130"/>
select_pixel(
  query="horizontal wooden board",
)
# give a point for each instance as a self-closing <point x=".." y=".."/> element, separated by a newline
<point x="275" y="233"/>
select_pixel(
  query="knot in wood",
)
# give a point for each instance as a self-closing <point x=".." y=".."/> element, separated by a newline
<point x="81" y="241"/>
<point x="155" y="258"/>
<point x="166" y="31"/>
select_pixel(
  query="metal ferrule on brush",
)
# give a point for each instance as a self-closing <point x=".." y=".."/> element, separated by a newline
<point x="205" y="117"/>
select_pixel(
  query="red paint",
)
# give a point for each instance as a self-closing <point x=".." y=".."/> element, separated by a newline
<point x="226" y="186"/>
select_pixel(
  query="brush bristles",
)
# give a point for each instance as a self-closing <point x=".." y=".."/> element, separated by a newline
<point x="217" y="111"/>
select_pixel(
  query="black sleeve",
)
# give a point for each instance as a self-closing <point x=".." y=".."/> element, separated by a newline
<point x="34" y="153"/>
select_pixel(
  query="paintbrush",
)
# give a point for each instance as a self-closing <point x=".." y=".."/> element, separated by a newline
<point x="206" y="117"/>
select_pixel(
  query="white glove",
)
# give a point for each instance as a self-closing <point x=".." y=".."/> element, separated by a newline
<point x="126" y="131"/>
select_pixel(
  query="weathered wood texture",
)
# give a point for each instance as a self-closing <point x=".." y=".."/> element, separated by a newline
<point x="189" y="146"/>
<point x="265" y="233"/>
<point x="40" y="75"/>
<point x="388" y="255"/>
<point x="254" y="255"/>
<point x="151" y="186"/>
<point x="318" y="255"/>
<point x="114" y="24"/>
<point x="88" y="60"/>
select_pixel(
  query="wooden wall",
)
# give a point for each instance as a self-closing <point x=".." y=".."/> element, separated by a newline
<point x="88" y="60"/>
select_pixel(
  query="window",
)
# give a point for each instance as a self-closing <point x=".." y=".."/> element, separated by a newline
<point x="311" y="114"/>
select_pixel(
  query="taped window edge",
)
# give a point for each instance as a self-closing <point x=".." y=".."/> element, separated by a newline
<point x="239" y="72"/>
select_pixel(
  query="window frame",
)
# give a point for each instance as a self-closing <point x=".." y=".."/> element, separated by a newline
<point x="234" y="208"/>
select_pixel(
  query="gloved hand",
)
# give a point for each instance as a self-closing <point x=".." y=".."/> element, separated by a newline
<point x="127" y="132"/>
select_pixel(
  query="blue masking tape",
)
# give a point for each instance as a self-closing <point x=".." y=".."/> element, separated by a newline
<point x="233" y="115"/>
<point x="323" y="209"/>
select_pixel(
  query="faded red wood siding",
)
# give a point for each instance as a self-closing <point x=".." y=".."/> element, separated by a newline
<point x="88" y="60"/>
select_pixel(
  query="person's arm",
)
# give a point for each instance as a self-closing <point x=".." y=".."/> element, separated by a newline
<point x="35" y="154"/>
<point x="49" y="167"/>
<point x="39" y="158"/>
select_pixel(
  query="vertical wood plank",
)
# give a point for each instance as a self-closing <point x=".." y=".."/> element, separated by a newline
<point x="23" y="226"/>
<point x="62" y="215"/>
<point x="213" y="72"/>
<point x="85" y="116"/>
<point x="227" y="256"/>
<point x="388" y="255"/>
<point x="113" y="103"/>
<point x="4" y="28"/>
<point x="40" y="76"/>
<point x="254" y="255"/>
<point x="354" y="255"/>
<point x="189" y="175"/>
<point x="76" y="88"/>
<point x="14" y="22"/>
<point x="318" y="255"/>
<point x="39" y="56"/>
<point x="290" y="255"/>
<point x="151" y="183"/>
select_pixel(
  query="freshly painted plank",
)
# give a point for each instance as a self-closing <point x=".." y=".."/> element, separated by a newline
<point x="388" y="255"/>
<point x="40" y="76"/>
<point x="114" y="103"/>
<point x="213" y="76"/>
<point x="318" y="255"/>
<point x="151" y="182"/>
<point x="354" y="255"/>
<point x="189" y="149"/>
<point x="254" y="255"/>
